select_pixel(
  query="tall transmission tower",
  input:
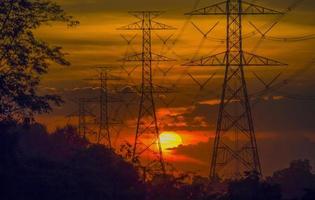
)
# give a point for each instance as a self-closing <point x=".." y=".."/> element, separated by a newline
<point x="235" y="149"/>
<point x="83" y="115"/>
<point x="147" y="132"/>
<point x="105" y="122"/>
<point x="82" y="118"/>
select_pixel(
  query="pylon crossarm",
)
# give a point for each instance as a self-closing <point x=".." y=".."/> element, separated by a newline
<point x="252" y="9"/>
<point x="250" y="59"/>
<point x="134" y="26"/>
<point x="215" y="60"/>
<point x="133" y="58"/>
<point x="216" y="9"/>
<point x="154" y="26"/>
<point x="138" y="57"/>
<point x="160" y="26"/>
<point x="139" y="14"/>
<point x="248" y="9"/>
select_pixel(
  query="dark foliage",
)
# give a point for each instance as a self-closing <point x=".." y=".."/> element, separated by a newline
<point x="184" y="187"/>
<point x="24" y="58"/>
<point x="252" y="188"/>
<point x="165" y="187"/>
<point x="295" y="180"/>
<point x="35" y="165"/>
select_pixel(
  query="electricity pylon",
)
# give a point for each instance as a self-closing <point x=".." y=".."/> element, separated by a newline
<point x="147" y="131"/>
<point x="82" y="118"/>
<point x="104" y="133"/>
<point x="82" y="114"/>
<point x="235" y="149"/>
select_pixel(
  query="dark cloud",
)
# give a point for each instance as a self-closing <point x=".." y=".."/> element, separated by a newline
<point x="285" y="115"/>
<point x="87" y="42"/>
<point x="101" y="6"/>
<point x="121" y="5"/>
<point x="197" y="157"/>
<point x="275" y="114"/>
<point x="275" y="153"/>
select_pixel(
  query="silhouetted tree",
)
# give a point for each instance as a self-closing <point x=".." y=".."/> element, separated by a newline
<point x="166" y="187"/>
<point x="183" y="186"/>
<point x="252" y="188"/>
<point x="58" y="146"/>
<point x="24" y="58"/>
<point x="104" y="175"/>
<point x="37" y="165"/>
<point x="295" y="179"/>
<point x="199" y="189"/>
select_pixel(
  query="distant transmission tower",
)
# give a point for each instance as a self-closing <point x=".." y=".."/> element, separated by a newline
<point x="147" y="132"/>
<point x="82" y="118"/>
<point x="235" y="149"/>
<point x="104" y="133"/>
<point x="83" y="114"/>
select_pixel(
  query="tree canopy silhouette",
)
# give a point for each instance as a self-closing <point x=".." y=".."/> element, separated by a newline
<point x="24" y="58"/>
<point x="251" y="187"/>
<point x="61" y="165"/>
<point x="295" y="180"/>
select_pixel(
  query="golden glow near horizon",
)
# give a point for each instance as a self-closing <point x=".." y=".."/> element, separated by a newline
<point x="170" y="140"/>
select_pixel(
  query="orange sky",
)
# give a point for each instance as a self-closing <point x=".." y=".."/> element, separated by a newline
<point x="96" y="42"/>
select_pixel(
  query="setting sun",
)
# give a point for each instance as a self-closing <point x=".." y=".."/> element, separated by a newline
<point x="170" y="140"/>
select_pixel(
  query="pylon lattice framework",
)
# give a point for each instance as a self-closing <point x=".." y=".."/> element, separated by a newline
<point x="82" y="114"/>
<point x="147" y="131"/>
<point x="104" y="134"/>
<point x="235" y="149"/>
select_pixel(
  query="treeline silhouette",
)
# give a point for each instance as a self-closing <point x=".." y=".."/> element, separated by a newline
<point x="61" y="165"/>
<point x="35" y="164"/>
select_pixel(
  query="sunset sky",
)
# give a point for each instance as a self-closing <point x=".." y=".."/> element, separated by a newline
<point x="284" y="119"/>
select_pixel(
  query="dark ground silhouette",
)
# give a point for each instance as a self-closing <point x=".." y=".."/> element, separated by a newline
<point x="60" y="165"/>
<point x="36" y="165"/>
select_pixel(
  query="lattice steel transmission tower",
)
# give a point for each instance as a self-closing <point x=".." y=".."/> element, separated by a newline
<point x="104" y="133"/>
<point x="83" y="115"/>
<point x="235" y="149"/>
<point x="147" y="131"/>
<point x="82" y="128"/>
